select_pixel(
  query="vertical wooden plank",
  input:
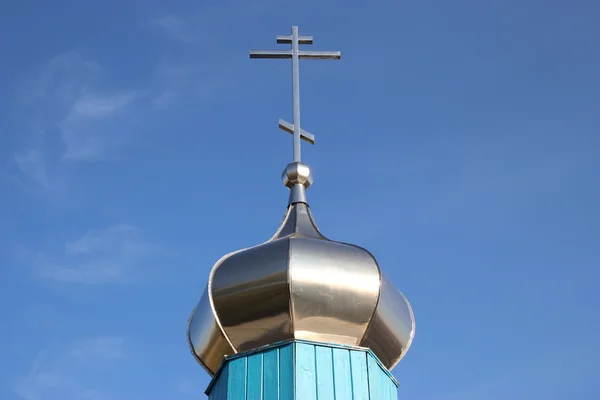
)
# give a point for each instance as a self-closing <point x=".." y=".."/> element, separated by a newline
<point x="342" y="378"/>
<point x="224" y="383"/>
<point x="215" y="390"/>
<point x="375" y="389"/>
<point x="306" y="380"/>
<point x="286" y="372"/>
<point x="380" y="381"/>
<point x="324" y="373"/>
<point x="236" y="385"/>
<point x="383" y="381"/>
<point x="360" y="376"/>
<point x="393" y="391"/>
<point x="271" y="374"/>
<point x="255" y="377"/>
<point x="220" y="388"/>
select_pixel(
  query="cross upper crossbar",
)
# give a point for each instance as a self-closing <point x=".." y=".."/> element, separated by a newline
<point x="295" y="54"/>
<point x="312" y="55"/>
<point x="288" y="39"/>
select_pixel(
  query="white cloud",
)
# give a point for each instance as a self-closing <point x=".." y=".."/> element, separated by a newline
<point x="63" y="372"/>
<point x="89" y="131"/>
<point x="58" y="81"/>
<point x="98" y="106"/>
<point x="108" y="256"/>
<point x="71" y="93"/>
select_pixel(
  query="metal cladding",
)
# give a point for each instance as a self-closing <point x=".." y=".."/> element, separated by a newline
<point x="299" y="285"/>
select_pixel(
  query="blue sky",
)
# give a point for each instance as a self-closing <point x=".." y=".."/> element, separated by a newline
<point x="458" y="141"/>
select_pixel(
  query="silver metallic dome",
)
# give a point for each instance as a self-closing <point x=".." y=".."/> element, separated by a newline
<point x="300" y="285"/>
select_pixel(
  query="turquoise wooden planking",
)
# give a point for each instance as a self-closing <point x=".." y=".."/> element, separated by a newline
<point x="324" y="373"/>
<point x="360" y="375"/>
<point x="303" y="370"/>
<point x="342" y="377"/>
<point x="223" y="385"/>
<point x="237" y="379"/>
<point x="391" y="389"/>
<point x="306" y="378"/>
<point x="375" y="387"/>
<point x="255" y="377"/>
<point x="271" y="374"/>
<point x="379" y="381"/>
<point x="286" y="371"/>
<point x="220" y="388"/>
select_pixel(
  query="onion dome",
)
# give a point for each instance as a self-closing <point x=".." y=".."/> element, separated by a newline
<point x="299" y="285"/>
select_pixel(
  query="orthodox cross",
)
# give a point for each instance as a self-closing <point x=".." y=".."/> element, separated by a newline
<point x="296" y="55"/>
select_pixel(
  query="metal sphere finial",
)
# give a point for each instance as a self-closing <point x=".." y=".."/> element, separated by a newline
<point x="297" y="173"/>
<point x="297" y="177"/>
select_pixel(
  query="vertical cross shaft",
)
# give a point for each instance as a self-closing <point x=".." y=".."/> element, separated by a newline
<point x="296" y="93"/>
<point x="296" y="54"/>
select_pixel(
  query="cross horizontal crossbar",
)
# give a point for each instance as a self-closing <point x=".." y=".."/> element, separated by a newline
<point x="289" y="128"/>
<point x="270" y="54"/>
<point x="313" y="55"/>
<point x="282" y="39"/>
<point x="320" y="55"/>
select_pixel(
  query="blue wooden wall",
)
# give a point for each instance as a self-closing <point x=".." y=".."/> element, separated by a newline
<point x="305" y="371"/>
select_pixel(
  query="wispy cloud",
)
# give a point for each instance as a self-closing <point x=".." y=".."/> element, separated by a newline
<point x="107" y="256"/>
<point x="93" y="106"/>
<point x="175" y="27"/>
<point x="85" y="130"/>
<point x="104" y="348"/>
<point x="71" y="93"/>
<point x="32" y="163"/>
<point x="64" y="371"/>
<point x="58" y="81"/>
<point x="75" y="109"/>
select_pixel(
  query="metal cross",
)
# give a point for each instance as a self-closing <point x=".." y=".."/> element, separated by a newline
<point x="296" y="55"/>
